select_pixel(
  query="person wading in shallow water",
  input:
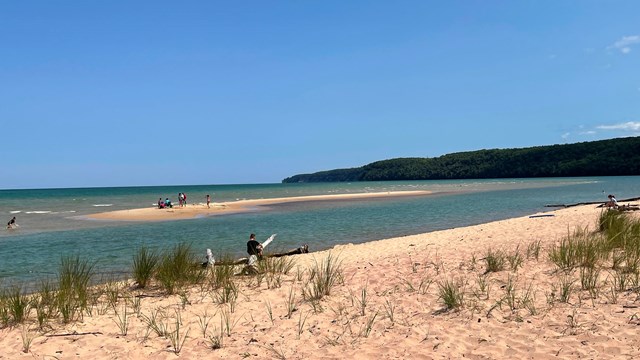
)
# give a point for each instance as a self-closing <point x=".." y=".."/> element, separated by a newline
<point x="12" y="223"/>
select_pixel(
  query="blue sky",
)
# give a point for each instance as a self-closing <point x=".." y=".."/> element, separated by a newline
<point x="115" y="93"/>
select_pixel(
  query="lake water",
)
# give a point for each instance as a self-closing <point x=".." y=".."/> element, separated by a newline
<point x="52" y="223"/>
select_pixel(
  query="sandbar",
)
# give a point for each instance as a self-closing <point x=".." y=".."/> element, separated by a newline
<point x="220" y="208"/>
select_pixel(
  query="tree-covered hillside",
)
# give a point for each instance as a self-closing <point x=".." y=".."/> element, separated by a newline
<point x="596" y="158"/>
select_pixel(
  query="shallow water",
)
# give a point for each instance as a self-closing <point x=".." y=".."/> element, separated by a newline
<point x="51" y="222"/>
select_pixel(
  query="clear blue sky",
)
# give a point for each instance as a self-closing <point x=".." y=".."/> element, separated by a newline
<point x="110" y="93"/>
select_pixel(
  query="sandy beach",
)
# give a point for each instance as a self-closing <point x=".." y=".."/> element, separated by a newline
<point x="219" y="208"/>
<point x="387" y="304"/>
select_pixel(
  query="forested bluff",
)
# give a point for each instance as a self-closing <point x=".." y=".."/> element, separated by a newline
<point x="613" y="157"/>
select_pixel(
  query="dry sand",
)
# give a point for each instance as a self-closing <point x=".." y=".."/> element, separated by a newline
<point x="403" y="316"/>
<point x="219" y="208"/>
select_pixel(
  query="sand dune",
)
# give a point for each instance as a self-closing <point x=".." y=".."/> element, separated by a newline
<point x="387" y="306"/>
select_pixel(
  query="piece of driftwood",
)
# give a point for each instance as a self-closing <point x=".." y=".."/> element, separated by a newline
<point x="601" y="203"/>
<point x="629" y="207"/>
<point x="301" y="250"/>
<point x="75" y="333"/>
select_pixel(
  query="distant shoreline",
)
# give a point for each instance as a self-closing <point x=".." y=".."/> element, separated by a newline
<point x="192" y="211"/>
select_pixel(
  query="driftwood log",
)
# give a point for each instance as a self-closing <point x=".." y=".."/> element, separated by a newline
<point x="601" y="203"/>
<point x="301" y="250"/>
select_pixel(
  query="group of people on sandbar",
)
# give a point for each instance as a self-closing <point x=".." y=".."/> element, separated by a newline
<point x="182" y="201"/>
<point x="166" y="203"/>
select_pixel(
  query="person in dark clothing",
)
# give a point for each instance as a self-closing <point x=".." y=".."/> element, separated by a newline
<point x="12" y="223"/>
<point x="253" y="246"/>
<point x="254" y="249"/>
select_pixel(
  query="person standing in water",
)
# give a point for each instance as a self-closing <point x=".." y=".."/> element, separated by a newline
<point x="208" y="201"/>
<point x="12" y="223"/>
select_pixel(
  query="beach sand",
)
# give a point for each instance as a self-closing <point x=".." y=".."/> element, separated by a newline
<point x="219" y="208"/>
<point x="386" y="307"/>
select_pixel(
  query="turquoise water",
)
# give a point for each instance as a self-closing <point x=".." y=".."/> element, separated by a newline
<point x="52" y="223"/>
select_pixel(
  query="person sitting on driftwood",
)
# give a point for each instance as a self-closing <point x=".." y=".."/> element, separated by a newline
<point x="254" y="249"/>
<point x="612" y="203"/>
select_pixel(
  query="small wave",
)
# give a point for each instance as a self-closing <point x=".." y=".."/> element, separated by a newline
<point x="15" y="212"/>
<point x="102" y="205"/>
<point x="38" y="212"/>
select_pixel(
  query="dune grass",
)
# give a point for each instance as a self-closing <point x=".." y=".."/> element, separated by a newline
<point x="323" y="277"/>
<point x="495" y="260"/>
<point x="18" y="305"/>
<point x="451" y="294"/>
<point x="145" y="262"/>
<point x="276" y="265"/>
<point x="615" y="244"/>
<point x="74" y="278"/>
<point x="178" y="267"/>
<point x="4" y="311"/>
<point x="578" y="249"/>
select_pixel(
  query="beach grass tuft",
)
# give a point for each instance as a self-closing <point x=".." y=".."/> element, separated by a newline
<point x="220" y="275"/>
<point x="156" y="322"/>
<point x="74" y="278"/>
<point x="580" y="248"/>
<point x="495" y="260"/>
<point x="122" y="320"/>
<point x="390" y="310"/>
<point x="145" y="262"/>
<point x="216" y="339"/>
<point x="533" y="249"/>
<point x="177" y="337"/>
<point x="589" y="278"/>
<point x="566" y="288"/>
<point x="515" y="260"/>
<point x="276" y="265"/>
<point x="323" y="277"/>
<point x="44" y="302"/>
<point x="227" y="294"/>
<point x="203" y="322"/>
<point x="18" y="305"/>
<point x="451" y="293"/>
<point x="27" y="337"/>
<point x="178" y="267"/>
